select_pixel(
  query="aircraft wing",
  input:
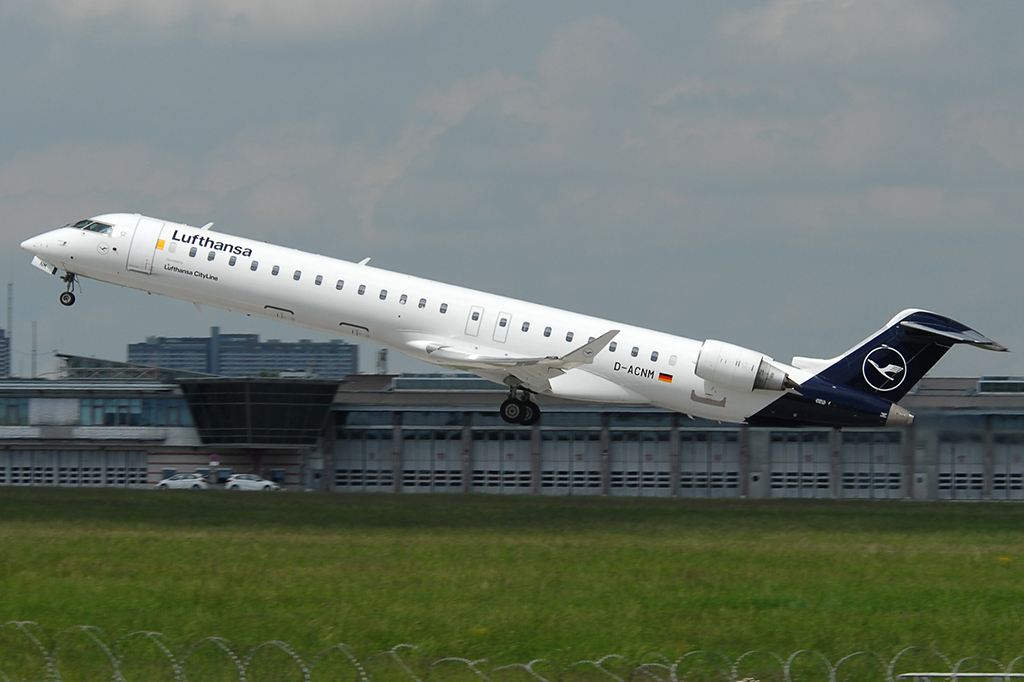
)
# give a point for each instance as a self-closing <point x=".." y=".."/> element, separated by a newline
<point x="532" y="372"/>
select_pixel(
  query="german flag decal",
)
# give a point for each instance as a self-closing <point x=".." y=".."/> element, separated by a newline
<point x="667" y="378"/>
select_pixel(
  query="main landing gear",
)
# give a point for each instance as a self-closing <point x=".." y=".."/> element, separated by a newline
<point x="68" y="297"/>
<point x="519" y="409"/>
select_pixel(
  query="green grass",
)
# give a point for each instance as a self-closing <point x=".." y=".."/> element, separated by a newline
<point x="515" y="578"/>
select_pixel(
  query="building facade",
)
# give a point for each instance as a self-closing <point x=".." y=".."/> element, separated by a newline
<point x="442" y="434"/>
<point x="244" y="355"/>
<point x="5" y="354"/>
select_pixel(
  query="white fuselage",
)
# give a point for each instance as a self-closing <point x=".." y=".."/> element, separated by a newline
<point x="408" y="314"/>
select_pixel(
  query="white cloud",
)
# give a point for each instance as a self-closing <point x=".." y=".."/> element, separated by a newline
<point x="839" y="31"/>
<point x="239" y="19"/>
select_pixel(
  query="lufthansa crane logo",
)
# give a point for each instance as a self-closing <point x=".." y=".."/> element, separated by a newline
<point x="884" y="368"/>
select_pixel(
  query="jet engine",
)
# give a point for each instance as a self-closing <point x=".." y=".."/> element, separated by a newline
<point x="729" y="366"/>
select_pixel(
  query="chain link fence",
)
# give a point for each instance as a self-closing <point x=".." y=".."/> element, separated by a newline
<point x="29" y="652"/>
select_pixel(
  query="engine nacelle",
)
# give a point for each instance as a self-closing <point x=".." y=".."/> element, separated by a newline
<point x="729" y="366"/>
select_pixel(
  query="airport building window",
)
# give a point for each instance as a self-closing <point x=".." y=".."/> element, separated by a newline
<point x="340" y="285"/>
<point x="402" y="299"/>
<point x="526" y="326"/>
<point x="568" y="336"/>
<point x="423" y="303"/>
<point x="654" y="356"/>
<point x="383" y="294"/>
<point x="192" y="252"/>
<point x="362" y="289"/>
<point x="635" y="352"/>
<point x="547" y="331"/>
<point x="255" y="264"/>
<point x="13" y="411"/>
<point x="444" y="308"/>
<point x="297" y="275"/>
<point x="211" y="255"/>
<point x="612" y="346"/>
<point x="274" y="270"/>
<point x="232" y="261"/>
<point x="134" y="412"/>
<point x="319" y="280"/>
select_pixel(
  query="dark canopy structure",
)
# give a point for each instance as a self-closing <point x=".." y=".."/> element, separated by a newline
<point x="253" y="413"/>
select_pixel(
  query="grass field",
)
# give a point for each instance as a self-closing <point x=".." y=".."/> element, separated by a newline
<point x="514" y="578"/>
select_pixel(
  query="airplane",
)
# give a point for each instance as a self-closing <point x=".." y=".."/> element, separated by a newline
<point x="529" y="348"/>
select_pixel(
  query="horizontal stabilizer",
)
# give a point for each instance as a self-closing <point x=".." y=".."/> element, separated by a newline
<point x="956" y="336"/>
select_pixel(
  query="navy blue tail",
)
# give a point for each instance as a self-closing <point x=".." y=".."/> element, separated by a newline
<point x="892" y="361"/>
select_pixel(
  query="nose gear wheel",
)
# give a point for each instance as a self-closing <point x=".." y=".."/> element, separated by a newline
<point x="68" y="297"/>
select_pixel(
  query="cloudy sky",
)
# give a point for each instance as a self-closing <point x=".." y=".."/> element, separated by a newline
<point x="783" y="175"/>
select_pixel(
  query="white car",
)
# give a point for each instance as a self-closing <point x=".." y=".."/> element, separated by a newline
<point x="249" y="482"/>
<point x="187" y="481"/>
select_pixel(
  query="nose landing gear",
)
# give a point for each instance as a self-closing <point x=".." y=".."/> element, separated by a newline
<point x="68" y="297"/>
<point x="519" y="409"/>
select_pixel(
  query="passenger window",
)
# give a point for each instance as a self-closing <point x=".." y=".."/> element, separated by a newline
<point x="635" y="351"/>
<point x="612" y="346"/>
<point x="255" y="264"/>
<point x="423" y="303"/>
<point x="403" y="299"/>
<point x="568" y="336"/>
<point x="211" y="255"/>
<point x="672" y="360"/>
<point x="547" y="331"/>
<point x="526" y="326"/>
<point x="475" y="316"/>
<point x="297" y="275"/>
<point x="340" y="285"/>
<point x="362" y="289"/>
<point x="274" y="270"/>
<point x="232" y="261"/>
<point x="383" y="294"/>
<point x="192" y="252"/>
<point x="502" y="322"/>
<point x="654" y="356"/>
<point x="319" y="280"/>
<point x="444" y="308"/>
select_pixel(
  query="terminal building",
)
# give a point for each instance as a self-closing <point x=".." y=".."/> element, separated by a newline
<point x="441" y="433"/>
<point x="244" y="355"/>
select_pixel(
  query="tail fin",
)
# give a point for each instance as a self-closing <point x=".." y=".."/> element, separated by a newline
<point x="893" y="360"/>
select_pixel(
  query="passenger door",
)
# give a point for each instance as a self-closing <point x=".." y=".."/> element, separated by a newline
<point x="143" y="246"/>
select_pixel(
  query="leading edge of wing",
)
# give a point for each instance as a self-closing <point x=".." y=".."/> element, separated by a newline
<point x="453" y="356"/>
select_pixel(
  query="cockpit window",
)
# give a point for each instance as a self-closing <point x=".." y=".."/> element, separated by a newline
<point x="93" y="226"/>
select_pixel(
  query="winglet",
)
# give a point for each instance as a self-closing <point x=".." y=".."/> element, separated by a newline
<point x="584" y="355"/>
<point x="206" y="227"/>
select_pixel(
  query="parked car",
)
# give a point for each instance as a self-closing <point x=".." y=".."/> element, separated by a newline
<point x="188" y="481"/>
<point x="249" y="482"/>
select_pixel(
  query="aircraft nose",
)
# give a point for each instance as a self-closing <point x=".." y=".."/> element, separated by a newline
<point x="33" y="245"/>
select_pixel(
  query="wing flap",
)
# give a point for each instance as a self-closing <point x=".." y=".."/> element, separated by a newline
<point x="532" y="372"/>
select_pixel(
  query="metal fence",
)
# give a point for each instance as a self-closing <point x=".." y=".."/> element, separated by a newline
<point x="29" y="652"/>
